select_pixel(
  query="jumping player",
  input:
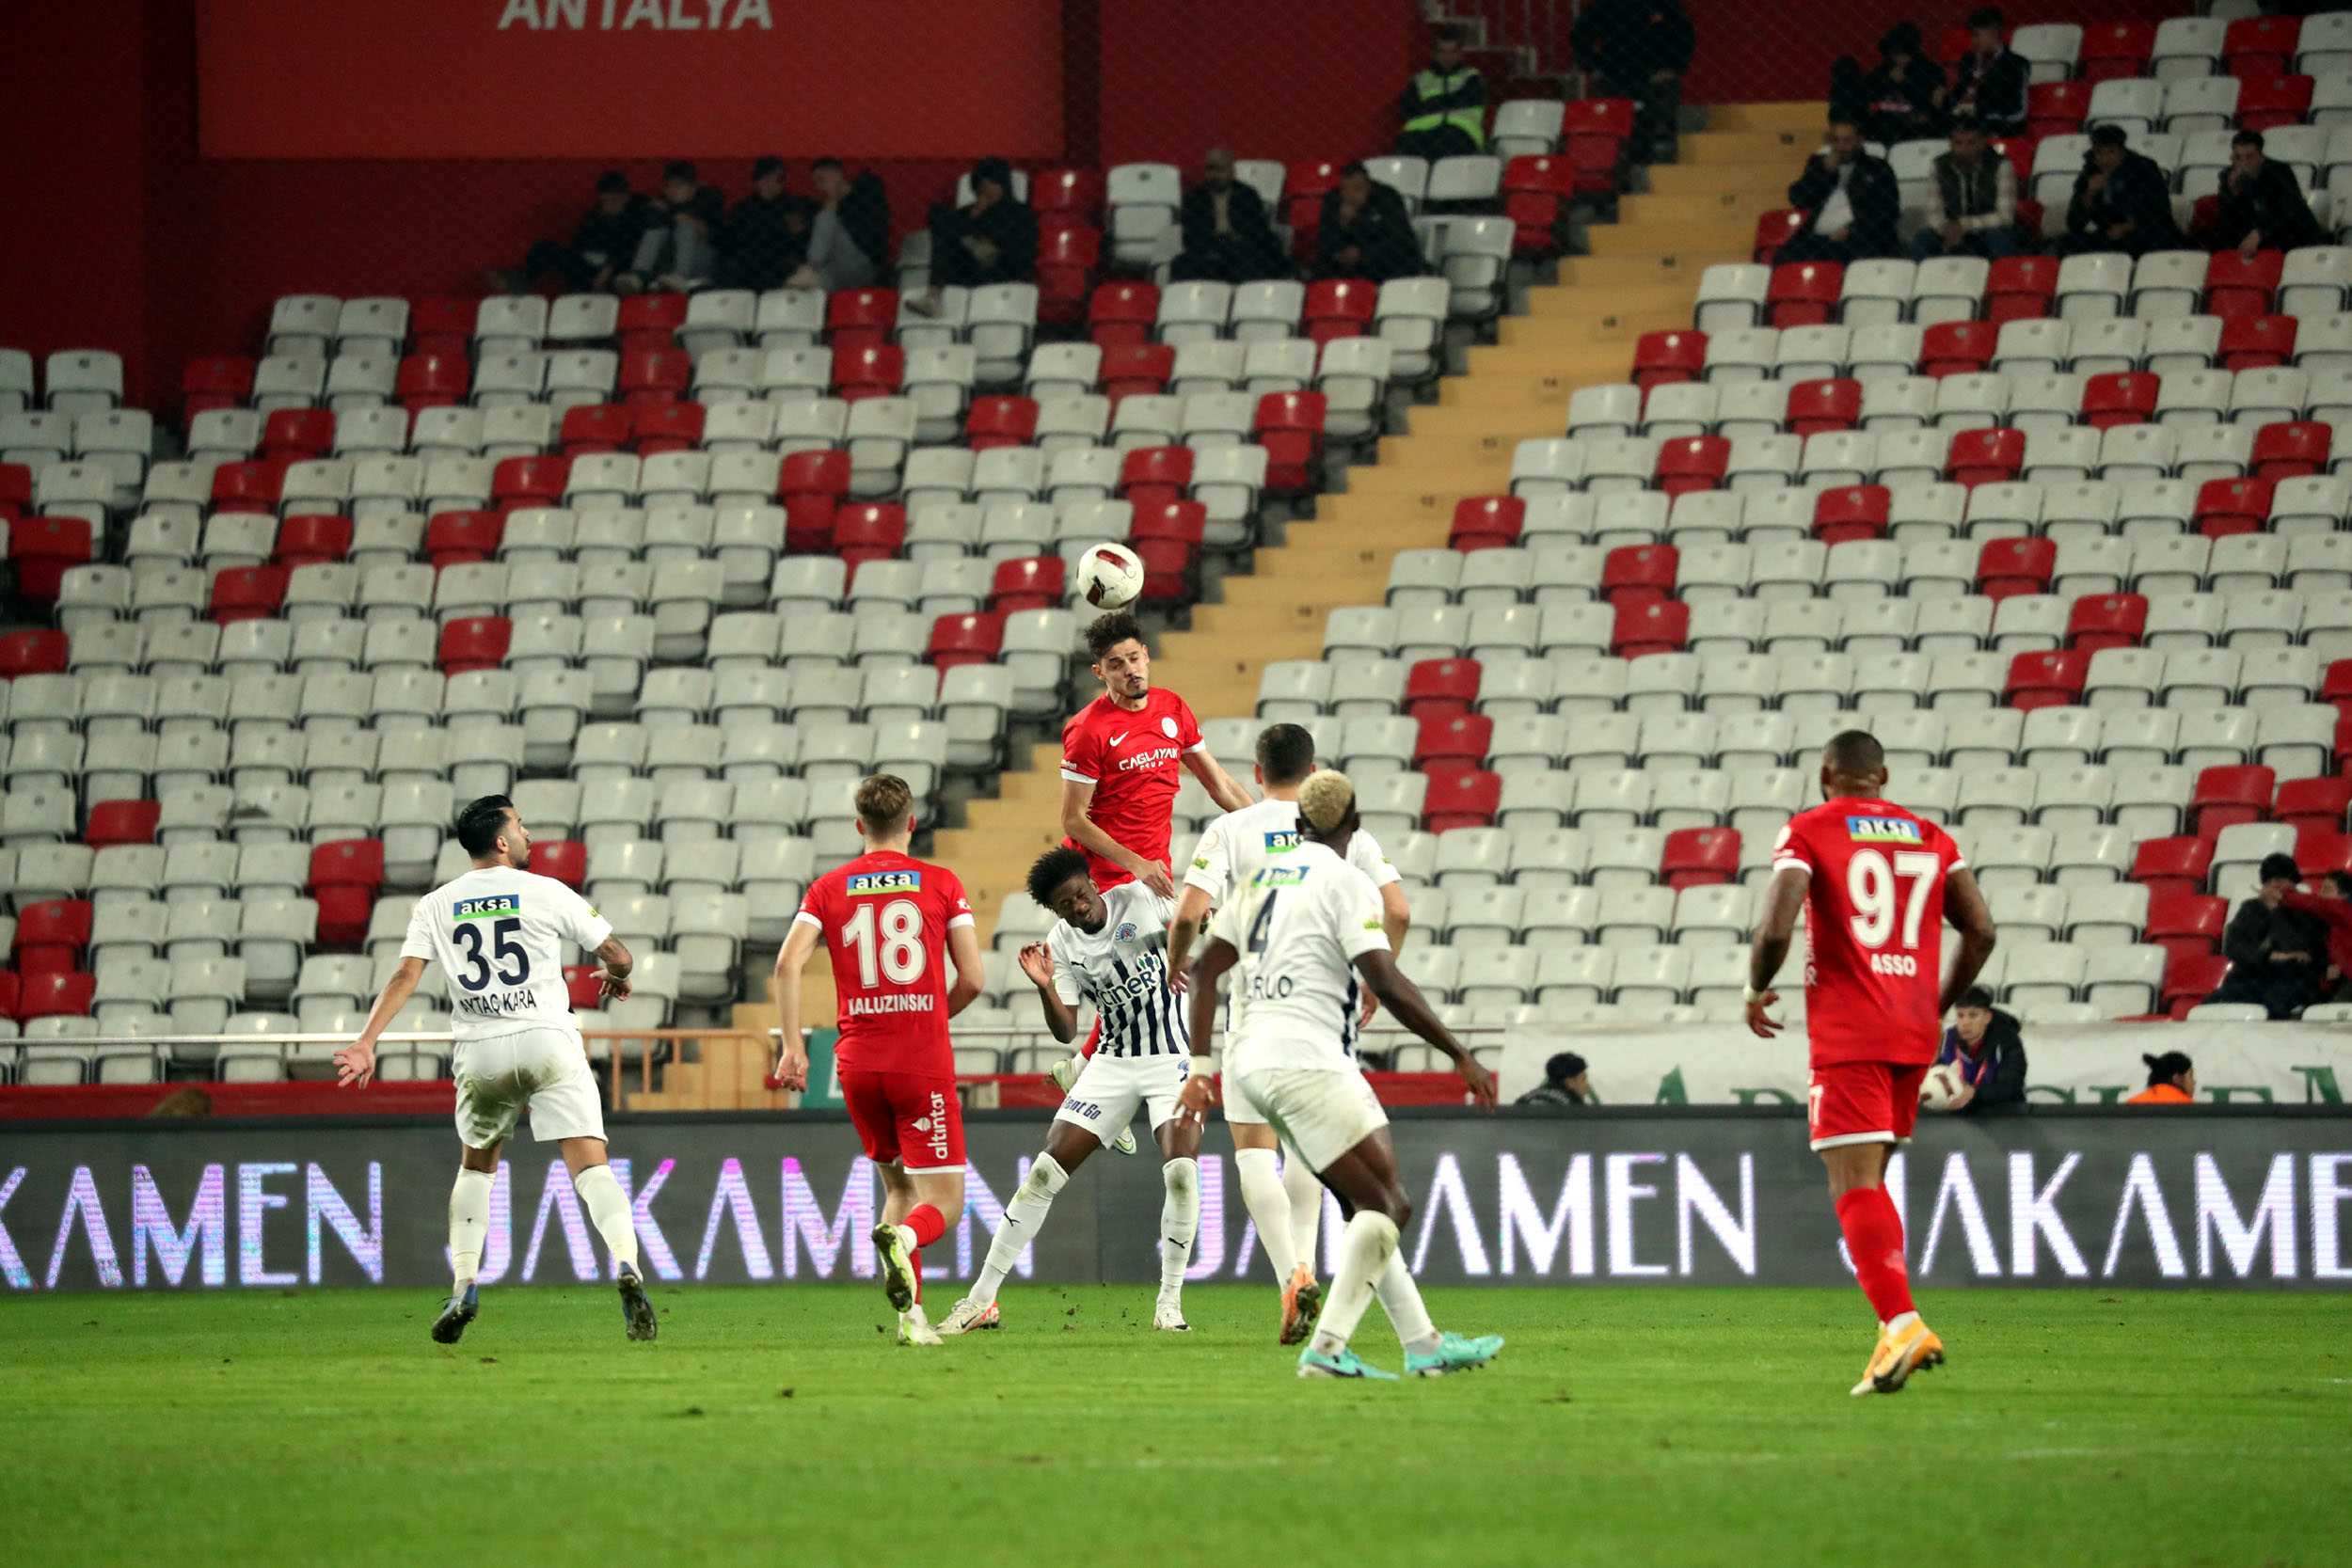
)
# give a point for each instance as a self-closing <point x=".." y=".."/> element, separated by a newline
<point x="1110" y="949"/>
<point x="1303" y="932"/>
<point x="1287" y="1205"/>
<point x="1877" y="884"/>
<point x="891" y="922"/>
<point x="500" y="934"/>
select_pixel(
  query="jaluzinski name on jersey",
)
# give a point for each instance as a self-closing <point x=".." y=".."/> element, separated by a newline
<point x="484" y="909"/>
<point x="865" y="883"/>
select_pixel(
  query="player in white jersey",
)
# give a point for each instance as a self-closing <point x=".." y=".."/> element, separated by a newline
<point x="500" y="935"/>
<point x="1286" y="1204"/>
<point x="1303" y="933"/>
<point x="1110" y="949"/>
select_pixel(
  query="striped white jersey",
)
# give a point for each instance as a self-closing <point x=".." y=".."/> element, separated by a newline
<point x="1122" y="970"/>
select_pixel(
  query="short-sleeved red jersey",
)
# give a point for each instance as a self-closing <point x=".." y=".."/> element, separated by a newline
<point x="1132" y="759"/>
<point x="1874" y="929"/>
<point x="884" y="918"/>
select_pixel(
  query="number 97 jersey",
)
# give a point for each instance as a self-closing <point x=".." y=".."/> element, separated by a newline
<point x="1874" y="929"/>
<point x="884" y="918"/>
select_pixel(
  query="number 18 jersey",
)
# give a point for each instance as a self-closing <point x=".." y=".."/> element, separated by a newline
<point x="498" y="935"/>
<point x="1874" y="929"/>
<point x="884" y="918"/>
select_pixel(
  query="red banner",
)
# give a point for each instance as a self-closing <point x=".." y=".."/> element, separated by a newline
<point x="612" y="78"/>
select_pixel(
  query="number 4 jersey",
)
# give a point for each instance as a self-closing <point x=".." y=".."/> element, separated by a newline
<point x="884" y="918"/>
<point x="1874" y="929"/>
<point x="498" y="935"/>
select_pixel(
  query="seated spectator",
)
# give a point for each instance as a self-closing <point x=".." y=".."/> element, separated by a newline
<point x="679" y="249"/>
<point x="1637" y="49"/>
<point x="1853" y="197"/>
<point x="992" y="240"/>
<point x="1565" y="1084"/>
<point x="2330" y="904"/>
<point x="605" y="240"/>
<point x="2121" y="202"/>
<point x="2274" y="953"/>
<point x="2262" y="203"/>
<point x="1366" y="232"/>
<point x="1972" y="201"/>
<point x="1901" y="99"/>
<point x="2171" y="1081"/>
<point x="1986" y="1047"/>
<point x="1990" y="80"/>
<point x="767" y="235"/>
<point x="848" y="231"/>
<point x="1228" y="236"/>
<point x="1445" y="106"/>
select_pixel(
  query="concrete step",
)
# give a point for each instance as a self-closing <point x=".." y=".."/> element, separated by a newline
<point x="1766" y="178"/>
<point x="1491" y="423"/>
<point x="1807" y="117"/>
<point x="1571" y="336"/>
<point x="1550" y="302"/>
<point x="1640" y="212"/>
<point x="1651" y="239"/>
<point x="1707" y="148"/>
<point x="1606" y="272"/>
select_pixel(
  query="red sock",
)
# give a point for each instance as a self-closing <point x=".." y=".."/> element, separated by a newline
<point x="916" y="1259"/>
<point x="1874" y="1238"/>
<point x="925" y="1221"/>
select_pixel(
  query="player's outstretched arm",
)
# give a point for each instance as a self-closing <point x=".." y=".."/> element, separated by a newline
<point x="1964" y="907"/>
<point x="1200" y="1093"/>
<point x="1037" y="962"/>
<point x="613" y="982"/>
<point x="784" y="986"/>
<point x="354" y="1064"/>
<point x="1407" y="1005"/>
<point x="1222" y="787"/>
<point x="1183" y="929"/>
<point x="1079" y="827"/>
<point x="1783" y="901"/>
<point x="964" y="950"/>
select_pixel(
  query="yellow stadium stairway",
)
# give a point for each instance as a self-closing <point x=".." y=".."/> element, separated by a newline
<point x="1641" y="276"/>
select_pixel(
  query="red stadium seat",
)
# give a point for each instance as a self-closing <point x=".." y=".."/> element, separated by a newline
<point x="251" y="486"/>
<point x="2183" y="918"/>
<point x="475" y="642"/>
<point x="11" y="992"/>
<point x="969" y="639"/>
<point x="1290" y="426"/>
<point x="1776" y="229"/>
<point x="2343" y="744"/>
<point x="1458" y="738"/>
<point x="1956" y="40"/>
<point x="2292" y="448"/>
<point x="1664" y="359"/>
<point x="2335" y="687"/>
<point x="1686" y="464"/>
<point x="2007" y="567"/>
<point x="653" y="375"/>
<point x="1852" y="512"/>
<point x="521" y="481"/>
<point x="1814" y="407"/>
<point x="649" y="323"/>
<point x="453" y="538"/>
<point x="52" y="935"/>
<point x="580" y="983"/>
<point x="1659" y="626"/>
<point x="1487" y="522"/>
<point x="2319" y="848"/>
<point x="1441" y="687"/>
<point x="2267" y="103"/>
<point x="1340" y="308"/>
<point x="2237" y="285"/>
<point x="2020" y="288"/>
<point x="1065" y="199"/>
<point x="2256" y="343"/>
<point x="2259" y="46"/>
<point x="2106" y="621"/>
<point x="348" y="863"/>
<point x="859" y="318"/>
<point x="1000" y="422"/>
<point x="1700" y="857"/>
<point x="1153" y="476"/>
<point x="1592" y="133"/>
<point x="2111" y="50"/>
<point x="875" y="531"/>
<point x="661" y="427"/>
<point x="2046" y="678"/>
<point x="431" y="381"/>
<point x="298" y="436"/>
<point x="1304" y="186"/>
<point x="1037" y="582"/>
<point x="1066" y="259"/>
<point x="43" y="551"/>
<point x="313" y="540"/>
<point x="1985" y="456"/>
<point x="811" y="487"/>
<point x="594" y="427"/>
<point x="1639" y="574"/>
<point x="1803" y="294"/>
<point x="55" y="995"/>
<point x="442" y="325"/>
<point x="16" y="490"/>
<point x="1185" y="523"/>
<point x="114" y="822"/>
<point x="2227" y="795"/>
<point x="1137" y="370"/>
<point x="2313" y="802"/>
<point x="2056" y="108"/>
<point x="1167" y="569"/>
<point x="247" y="592"/>
<point x="2189" y="978"/>
<point x="1122" y="315"/>
<point x="32" y="653"/>
<point x="2231" y="506"/>
<point x="1957" y="348"/>
<point x="216" y="381"/>
<point x="1536" y="190"/>
<point x="563" y="859"/>
<point x="2172" y="866"/>
<point x="2120" y="397"/>
<point x="1460" y="796"/>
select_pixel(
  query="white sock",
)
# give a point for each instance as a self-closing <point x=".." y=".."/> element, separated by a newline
<point x="1400" y="1298"/>
<point x="1901" y="1320"/>
<point x="1306" y="1195"/>
<point x="1022" y="1216"/>
<point x="1179" y="1221"/>
<point x="1365" y="1248"/>
<point x="468" y="1218"/>
<point x="1269" y="1207"/>
<point x="608" y="1211"/>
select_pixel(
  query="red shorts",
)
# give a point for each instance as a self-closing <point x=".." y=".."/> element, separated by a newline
<point x="1865" y="1103"/>
<point x="907" y="1118"/>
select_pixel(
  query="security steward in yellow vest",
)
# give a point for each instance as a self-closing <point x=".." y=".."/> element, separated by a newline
<point x="1445" y="106"/>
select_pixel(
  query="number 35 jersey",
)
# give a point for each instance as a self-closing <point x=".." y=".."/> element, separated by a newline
<point x="884" y="918"/>
<point x="1874" y="929"/>
<point x="498" y="935"/>
<point x="1299" y="925"/>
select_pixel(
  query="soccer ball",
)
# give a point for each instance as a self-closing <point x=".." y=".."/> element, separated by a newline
<point x="1940" y="1088"/>
<point x="1109" y="576"/>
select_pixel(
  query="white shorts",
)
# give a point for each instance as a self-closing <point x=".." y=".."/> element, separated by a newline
<point x="1320" y="1112"/>
<point x="543" y="1068"/>
<point x="1236" y="1102"/>
<point x="1109" y="1088"/>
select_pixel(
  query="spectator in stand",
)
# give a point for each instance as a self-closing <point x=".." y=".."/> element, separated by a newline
<point x="1228" y="237"/>
<point x="2330" y="904"/>
<point x="1990" y="80"/>
<point x="1445" y="106"/>
<point x="2121" y="202"/>
<point x="2262" y="203"/>
<point x="1853" y="197"/>
<point x="1902" y="96"/>
<point x="1565" y="1084"/>
<point x="1971" y="200"/>
<point x="2171" y="1081"/>
<point x="679" y="249"/>
<point x="1366" y="232"/>
<point x="849" y="229"/>
<point x="1638" y="49"/>
<point x="2274" y="953"/>
<point x="767" y="235"/>
<point x="990" y="240"/>
<point x="605" y="240"/>
<point x="1988" y="1051"/>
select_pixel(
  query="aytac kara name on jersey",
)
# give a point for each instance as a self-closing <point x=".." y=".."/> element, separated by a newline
<point x="497" y="1004"/>
<point x="866" y="883"/>
<point x="1882" y="830"/>
<point x="483" y="908"/>
<point x="892" y="1001"/>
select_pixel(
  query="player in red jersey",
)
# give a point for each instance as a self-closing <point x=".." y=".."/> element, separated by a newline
<point x="891" y="922"/>
<point x="1877" y="884"/>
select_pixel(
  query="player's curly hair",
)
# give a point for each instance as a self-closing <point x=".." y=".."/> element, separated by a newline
<point x="1108" y="632"/>
<point x="1051" y="869"/>
<point x="1326" y="800"/>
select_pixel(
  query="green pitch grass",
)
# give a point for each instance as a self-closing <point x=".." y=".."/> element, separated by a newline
<point x="779" y="1426"/>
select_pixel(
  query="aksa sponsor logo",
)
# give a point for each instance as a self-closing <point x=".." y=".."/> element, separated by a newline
<point x="483" y="908"/>
<point x="1882" y="830"/>
<point x="1282" y="842"/>
<point x="864" y="883"/>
